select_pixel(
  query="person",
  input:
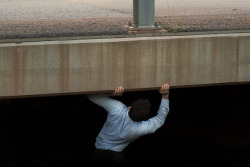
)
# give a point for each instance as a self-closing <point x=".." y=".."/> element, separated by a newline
<point x="126" y="124"/>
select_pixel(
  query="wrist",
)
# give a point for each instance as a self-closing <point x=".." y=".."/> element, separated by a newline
<point x="165" y="96"/>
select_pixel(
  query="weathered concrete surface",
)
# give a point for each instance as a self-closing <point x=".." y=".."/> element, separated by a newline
<point x="85" y="66"/>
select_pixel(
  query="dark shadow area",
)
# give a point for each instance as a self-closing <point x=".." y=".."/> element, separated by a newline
<point x="206" y="127"/>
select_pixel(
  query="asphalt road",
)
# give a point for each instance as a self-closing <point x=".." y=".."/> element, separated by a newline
<point x="53" y="18"/>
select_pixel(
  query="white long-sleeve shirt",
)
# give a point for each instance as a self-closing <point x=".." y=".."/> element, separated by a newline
<point x="119" y="130"/>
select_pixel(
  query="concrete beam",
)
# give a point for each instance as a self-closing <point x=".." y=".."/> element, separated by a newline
<point x="93" y="65"/>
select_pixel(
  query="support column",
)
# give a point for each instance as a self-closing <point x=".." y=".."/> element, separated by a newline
<point x="144" y="18"/>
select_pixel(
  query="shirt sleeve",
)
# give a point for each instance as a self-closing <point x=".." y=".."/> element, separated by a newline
<point x="112" y="106"/>
<point x="154" y="123"/>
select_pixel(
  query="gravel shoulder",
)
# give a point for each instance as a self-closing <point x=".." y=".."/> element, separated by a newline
<point x="21" y="19"/>
<point x="47" y="28"/>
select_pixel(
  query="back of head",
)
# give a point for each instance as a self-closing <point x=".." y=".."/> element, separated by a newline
<point x="140" y="110"/>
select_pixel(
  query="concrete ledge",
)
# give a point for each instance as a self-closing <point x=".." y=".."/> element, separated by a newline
<point x="93" y="65"/>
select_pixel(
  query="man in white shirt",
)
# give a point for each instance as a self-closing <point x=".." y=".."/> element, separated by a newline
<point x="125" y="124"/>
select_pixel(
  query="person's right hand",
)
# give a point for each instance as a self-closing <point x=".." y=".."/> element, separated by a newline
<point x="164" y="91"/>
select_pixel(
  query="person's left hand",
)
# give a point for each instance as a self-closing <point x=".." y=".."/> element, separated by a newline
<point x="119" y="91"/>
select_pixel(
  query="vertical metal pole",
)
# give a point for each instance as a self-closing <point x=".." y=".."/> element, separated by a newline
<point x="144" y="13"/>
<point x="135" y="13"/>
<point x="144" y="18"/>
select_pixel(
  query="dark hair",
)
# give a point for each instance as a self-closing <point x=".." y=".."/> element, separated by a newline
<point x="140" y="110"/>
